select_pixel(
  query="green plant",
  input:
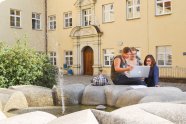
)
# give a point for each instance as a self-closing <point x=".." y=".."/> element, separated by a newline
<point x="49" y="77"/>
<point x="21" y="65"/>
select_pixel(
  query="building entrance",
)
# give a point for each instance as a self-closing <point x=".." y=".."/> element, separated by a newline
<point x="88" y="59"/>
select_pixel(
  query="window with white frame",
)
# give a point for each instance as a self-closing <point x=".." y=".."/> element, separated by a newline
<point x="164" y="55"/>
<point x="36" y="21"/>
<point x="68" y="19"/>
<point x="15" y="18"/>
<point x="108" y="13"/>
<point x="163" y="7"/>
<point x="87" y="17"/>
<point x="68" y="58"/>
<point x="52" y="22"/>
<point x="108" y="57"/>
<point x="53" y="58"/>
<point x="133" y="9"/>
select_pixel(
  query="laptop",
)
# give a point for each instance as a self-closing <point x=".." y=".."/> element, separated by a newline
<point x="139" y="72"/>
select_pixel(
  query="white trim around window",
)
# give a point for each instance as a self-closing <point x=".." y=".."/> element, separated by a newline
<point x="52" y="22"/>
<point x="86" y="17"/>
<point x="67" y="19"/>
<point x="133" y="9"/>
<point x="164" y="56"/>
<point x="15" y="18"/>
<point x="69" y="58"/>
<point x="163" y="7"/>
<point x="108" y="13"/>
<point x="36" y="21"/>
<point x="108" y="57"/>
<point x="53" y="58"/>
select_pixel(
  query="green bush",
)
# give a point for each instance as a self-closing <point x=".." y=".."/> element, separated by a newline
<point x="21" y="65"/>
<point x="48" y="79"/>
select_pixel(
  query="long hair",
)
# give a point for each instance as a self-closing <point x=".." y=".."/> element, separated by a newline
<point x="152" y="59"/>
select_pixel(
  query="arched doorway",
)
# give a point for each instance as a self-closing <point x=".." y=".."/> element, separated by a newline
<point x="88" y="59"/>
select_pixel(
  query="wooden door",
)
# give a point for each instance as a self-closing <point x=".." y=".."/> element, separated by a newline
<point x="88" y="61"/>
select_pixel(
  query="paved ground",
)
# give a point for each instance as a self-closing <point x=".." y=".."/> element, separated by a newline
<point x="86" y="81"/>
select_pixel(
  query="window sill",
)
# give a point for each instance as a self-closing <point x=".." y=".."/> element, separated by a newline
<point x="51" y="29"/>
<point x="108" y="22"/>
<point x="15" y="27"/>
<point x="157" y="15"/>
<point x="165" y="66"/>
<point x="128" y="19"/>
<point x="67" y="27"/>
<point x="37" y="29"/>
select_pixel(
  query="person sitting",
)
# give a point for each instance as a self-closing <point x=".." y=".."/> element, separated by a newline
<point x="134" y="60"/>
<point x="100" y="80"/>
<point x="120" y="68"/>
<point x="153" y="78"/>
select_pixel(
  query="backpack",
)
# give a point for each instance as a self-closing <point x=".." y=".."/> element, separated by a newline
<point x="99" y="81"/>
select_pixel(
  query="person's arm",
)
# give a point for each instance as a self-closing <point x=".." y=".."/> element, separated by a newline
<point x="117" y="67"/>
<point x="156" y="76"/>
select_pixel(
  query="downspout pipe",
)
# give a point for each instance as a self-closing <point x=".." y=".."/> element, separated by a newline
<point x="46" y="27"/>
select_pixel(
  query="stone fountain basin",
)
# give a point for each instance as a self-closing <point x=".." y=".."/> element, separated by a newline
<point x="76" y="94"/>
<point x="119" y="96"/>
<point x="38" y="98"/>
<point x="146" y="113"/>
<point x="55" y="110"/>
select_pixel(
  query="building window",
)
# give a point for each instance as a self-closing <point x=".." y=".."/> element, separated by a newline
<point x="68" y="58"/>
<point x="108" y="13"/>
<point x="36" y="21"/>
<point x="52" y="22"/>
<point x="87" y="17"/>
<point x="67" y="19"/>
<point x="108" y="57"/>
<point x="133" y="9"/>
<point x="163" y="7"/>
<point x="15" y="18"/>
<point x="164" y="56"/>
<point x="53" y="58"/>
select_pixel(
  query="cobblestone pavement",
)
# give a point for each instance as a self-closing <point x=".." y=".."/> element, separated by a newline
<point x="77" y="79"/>
<point x="86" y="81"/>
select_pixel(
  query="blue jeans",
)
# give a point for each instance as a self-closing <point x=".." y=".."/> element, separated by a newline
<point x="124" y="80"/>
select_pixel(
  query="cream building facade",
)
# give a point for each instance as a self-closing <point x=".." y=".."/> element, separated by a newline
<point x="104" y="27"/>
<point x="18" y="21"/>
<point x="87" y="34"/>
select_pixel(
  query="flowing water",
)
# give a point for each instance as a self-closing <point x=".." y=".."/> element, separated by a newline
<point x="60" y="84"/>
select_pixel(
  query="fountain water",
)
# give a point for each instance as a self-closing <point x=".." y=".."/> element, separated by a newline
<point x="60" y="84"/>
